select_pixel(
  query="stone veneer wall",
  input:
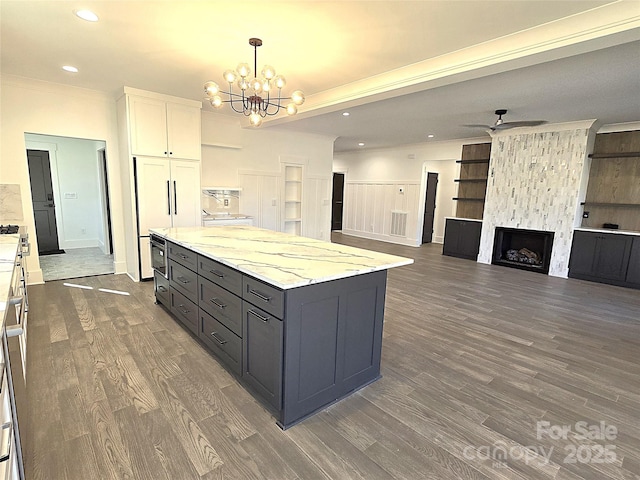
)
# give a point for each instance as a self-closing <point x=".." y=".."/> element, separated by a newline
<point x="537" y="181"/>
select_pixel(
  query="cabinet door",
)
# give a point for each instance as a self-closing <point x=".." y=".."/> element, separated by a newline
<point x="262" y="353"/>
<point x="633" y="272"/>
<point x="469" y="241"/>
<point x="183" y="131"/>
<point x="583" y="253"/>
<point x="613" y="256"/>
<point x="148" y="118"/>
<point x="451" y="237"/>
<point x="185" y="193"/>
<point x="153" y="193"/>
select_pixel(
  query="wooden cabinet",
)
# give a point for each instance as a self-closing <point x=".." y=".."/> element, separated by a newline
<point x="604" y="257"/>
<point x="633" y="272"/>
<point x="299" y="349"/>
<point x="164" y="129"/>
<point x="462" y="238"/>
<point x="262" y="353"/>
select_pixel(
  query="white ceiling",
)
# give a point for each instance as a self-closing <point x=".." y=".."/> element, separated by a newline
<point x="403" y="69"/>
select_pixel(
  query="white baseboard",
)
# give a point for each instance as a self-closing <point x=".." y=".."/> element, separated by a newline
<point x="35" y="277"/>
<point x="409" y="242"/>
<point x="119" y="267"/>
<point x="82" y="243"/>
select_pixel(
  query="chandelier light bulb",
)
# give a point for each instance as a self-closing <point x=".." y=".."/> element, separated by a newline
<point x="216" y="101"/>
<point x="266" y="86"/>
<point x="297" y="97"/>
<point x="211" y="89"/>
<point x="255" y="119"/>
<point x="268" y="72"/>
<point x="292" y="109"/>
<point x="230" y="76"/>
<point x="279" y="81"/>
<point x="243" y="70"/>
<point x="243" y="84"/>
<point x="256" y="85"/>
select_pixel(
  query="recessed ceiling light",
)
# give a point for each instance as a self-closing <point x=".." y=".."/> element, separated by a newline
<point x="361" y="144"/>
<point x="345" y="114"/>
<point x="69" y="68"/>
<point x="431" y="135"/>
<point x="87" y="15"/>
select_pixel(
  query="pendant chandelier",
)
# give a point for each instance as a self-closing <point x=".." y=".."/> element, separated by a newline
<point x="257" y="94"/>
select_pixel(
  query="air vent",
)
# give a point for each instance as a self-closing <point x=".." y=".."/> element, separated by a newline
<point x="398" y="223"/>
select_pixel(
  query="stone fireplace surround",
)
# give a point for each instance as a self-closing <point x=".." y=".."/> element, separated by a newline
<point x="537" y="178"/>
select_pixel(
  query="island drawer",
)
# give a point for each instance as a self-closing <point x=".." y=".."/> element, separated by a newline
<point x="184" y="309"/>
<point x="183" y="280"/>
<point x="183" y="256"/>
<point x="223" y="342"/>
<point x="161" y="289"/>
<point x="220" y="274"/>
<point x="221" y="304"/>
<point x="264" y="296"/>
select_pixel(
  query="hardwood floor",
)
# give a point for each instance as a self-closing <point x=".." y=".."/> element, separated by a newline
<point x="473" y="357"/>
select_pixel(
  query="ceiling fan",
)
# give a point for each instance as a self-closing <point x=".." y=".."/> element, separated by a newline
<point x="502" y="125"/>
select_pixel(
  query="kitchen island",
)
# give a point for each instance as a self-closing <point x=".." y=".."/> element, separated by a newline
<point x="298" y="320"/>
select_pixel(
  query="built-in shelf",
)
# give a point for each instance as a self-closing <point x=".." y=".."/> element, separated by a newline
<point x="293" y="178"/>
<point x="615" y="155"/>
<point x="609" y="204"/>
<point x="479" y="160"/>
<point x="468" y="199"/>
<point x="471" y="180"/>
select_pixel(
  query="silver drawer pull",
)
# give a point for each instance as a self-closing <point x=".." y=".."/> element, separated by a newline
<point x="184" y="257"/>
<point x="219" y="339"/>
<point x="258" y="316"/>
<point x="217" y="303"/>
<point x="181" y="307"/>
<point x="217" y="273"/>
<point x="261" y="296"/>
<point x="6" y="443"/>
<point x="182" y="280"/>
<point x="161" y="288"/>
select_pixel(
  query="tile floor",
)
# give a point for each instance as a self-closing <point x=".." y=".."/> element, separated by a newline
<point x="76" y="262"/>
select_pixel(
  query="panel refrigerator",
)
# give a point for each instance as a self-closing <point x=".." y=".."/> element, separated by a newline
<point x="167" y="195"/>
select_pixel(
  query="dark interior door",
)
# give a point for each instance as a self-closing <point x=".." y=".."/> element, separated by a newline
<point x="429" y="207"/>
<point x="337" y="200"/>
<point x="43" y="201"/>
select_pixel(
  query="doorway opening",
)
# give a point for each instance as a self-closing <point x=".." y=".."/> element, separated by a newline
<point x="337" y="201"/>
<point x="429" y="207"/>
<point x="70" y="193"/>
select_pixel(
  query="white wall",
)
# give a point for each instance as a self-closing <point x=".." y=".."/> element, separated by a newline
<point x="537" y="179"/>
<point x="253" y="159"/>
<point x="373" y="180"/>
<point x="29" y="106"/>
<point x="74" y="173"/>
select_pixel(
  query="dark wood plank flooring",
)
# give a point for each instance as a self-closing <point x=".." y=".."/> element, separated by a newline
<point x="473" y="357"/>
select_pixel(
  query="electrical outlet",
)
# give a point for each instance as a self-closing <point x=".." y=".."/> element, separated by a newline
<point x="226" y="202"/>
<point x="84" y="231"/>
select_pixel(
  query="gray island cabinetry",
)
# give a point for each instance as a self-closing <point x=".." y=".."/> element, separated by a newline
<point x="298" y="320"/>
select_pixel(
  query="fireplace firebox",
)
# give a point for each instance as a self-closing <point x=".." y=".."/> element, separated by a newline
<point x="525" y="249"/>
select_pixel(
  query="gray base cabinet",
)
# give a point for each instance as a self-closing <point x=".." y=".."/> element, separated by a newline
<point x="462" y="238"/>
<point x="612" y="258"/>
<point x="299" y="350"/>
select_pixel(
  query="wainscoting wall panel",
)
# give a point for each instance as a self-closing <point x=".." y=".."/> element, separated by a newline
<point x="368" y="209"/>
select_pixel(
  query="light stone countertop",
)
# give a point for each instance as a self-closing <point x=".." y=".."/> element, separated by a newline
<point x="8" y="249"/>
<point x="464" y="219"/>
<point x="279" y="259"/>
<point x="608" y="230"/>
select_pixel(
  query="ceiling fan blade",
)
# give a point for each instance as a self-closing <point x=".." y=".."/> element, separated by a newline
<point x="525" y="123"/>
<point x="478" y="126"/>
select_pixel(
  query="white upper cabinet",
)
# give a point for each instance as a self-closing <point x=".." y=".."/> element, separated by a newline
<point x="164" y="129"/>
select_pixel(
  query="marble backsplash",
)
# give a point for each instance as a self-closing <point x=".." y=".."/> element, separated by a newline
<point x="11" y="204"/>
<point x="535" y="181"/>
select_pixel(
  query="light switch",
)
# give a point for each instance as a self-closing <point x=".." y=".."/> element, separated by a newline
<point x="71" y="195"/>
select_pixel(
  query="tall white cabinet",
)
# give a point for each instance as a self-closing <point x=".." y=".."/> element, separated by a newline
<point x="160" y="151"/>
